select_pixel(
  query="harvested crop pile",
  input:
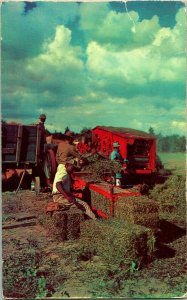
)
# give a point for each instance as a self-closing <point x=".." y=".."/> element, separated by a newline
<point x="118" y="243"/>
<point x="100" y="202"/>
<point x="73" y="224"/>
<point x="63" y="225"/>
<point x="100" y="166"/>
<point x="137" y="210"/>
<point x="172" y="198"/>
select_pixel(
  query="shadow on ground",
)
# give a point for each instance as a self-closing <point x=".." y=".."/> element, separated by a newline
<point x="163" y="251"/>
<point x="168" y="233"/>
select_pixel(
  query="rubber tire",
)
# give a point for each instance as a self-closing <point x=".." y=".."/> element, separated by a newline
<point x="50" y="165"/>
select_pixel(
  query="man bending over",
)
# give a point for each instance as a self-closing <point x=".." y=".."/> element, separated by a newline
<point x="62" y="187"/>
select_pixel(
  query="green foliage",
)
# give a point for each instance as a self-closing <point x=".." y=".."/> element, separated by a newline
<point x="169" y="143"/>
<point x="173" y="143"/>
<point x="151" y="131"/>
<point x="42" y="290"/>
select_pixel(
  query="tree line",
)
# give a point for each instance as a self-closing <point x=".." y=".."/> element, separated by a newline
<point x="169" y="143"/>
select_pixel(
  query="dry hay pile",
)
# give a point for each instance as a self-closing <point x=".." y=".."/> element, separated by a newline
<point x="171" y="192"/>
<point x="99" y="166"/>
<point x="118" y="243"/>
<point x="137" y="210"/>
<point x="171" y="197"/>
<point x="100" y="202"/>
<point x="63" y="225"/>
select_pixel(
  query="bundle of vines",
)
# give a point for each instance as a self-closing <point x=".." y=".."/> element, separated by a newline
<point x="99" y="166"/>
<point x="118" y="243"/>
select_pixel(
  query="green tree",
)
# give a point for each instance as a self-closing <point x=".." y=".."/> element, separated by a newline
<point x="66" y="130"/>
<point x="151" y="131"/>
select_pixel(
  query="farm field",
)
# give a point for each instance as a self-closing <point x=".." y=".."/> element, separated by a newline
<point x="37" y="265"/>
<point x="176" y="162"/>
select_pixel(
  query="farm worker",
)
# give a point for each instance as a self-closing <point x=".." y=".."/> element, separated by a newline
<point x="115" y="154"/>
<point x="66" y="150"/>
<point x="41" y="124"/>
<point x="41" y="121"/>
<point x="62" y="190"/>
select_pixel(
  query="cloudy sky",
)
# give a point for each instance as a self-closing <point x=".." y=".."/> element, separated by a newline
<point x="88" y="64"/>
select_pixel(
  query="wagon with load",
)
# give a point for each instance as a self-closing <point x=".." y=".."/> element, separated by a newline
<point x="24" y="149"/>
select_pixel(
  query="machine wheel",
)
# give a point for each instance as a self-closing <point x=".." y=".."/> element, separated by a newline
<point x="37" y="185"/>
<point x="50" y="165"/>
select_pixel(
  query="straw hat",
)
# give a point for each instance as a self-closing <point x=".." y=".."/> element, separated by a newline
<point x="116" y="144"/>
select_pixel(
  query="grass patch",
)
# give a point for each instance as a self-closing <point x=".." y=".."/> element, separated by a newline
<point x="176" y="162"/>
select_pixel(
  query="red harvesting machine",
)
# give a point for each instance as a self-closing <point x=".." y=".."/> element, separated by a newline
<point x="137" y="148"/>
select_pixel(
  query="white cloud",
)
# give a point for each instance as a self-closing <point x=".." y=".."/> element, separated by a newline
<point x="178" y="126"/>
<point x="117" y="100"/>
<point x="23" y="34"/>
<point x="155" y="68"/>
<point x="116" y="30"/>
<point x="59" y="68"/>
<point x="123" y="73"/>
<point x="58" y="54"/>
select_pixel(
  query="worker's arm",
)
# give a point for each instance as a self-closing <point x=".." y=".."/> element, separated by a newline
<point x="74" y="152"/>
<point x="68" y="196"/>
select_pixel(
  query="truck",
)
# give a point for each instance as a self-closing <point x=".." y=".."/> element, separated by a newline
<point x="24" y="148"/>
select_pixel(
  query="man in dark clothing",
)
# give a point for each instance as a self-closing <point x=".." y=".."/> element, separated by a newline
<point x="66" y="150"/>
<point x="41" y="121"/>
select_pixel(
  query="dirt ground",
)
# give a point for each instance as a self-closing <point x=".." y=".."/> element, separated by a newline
<point x="45" y="267"/>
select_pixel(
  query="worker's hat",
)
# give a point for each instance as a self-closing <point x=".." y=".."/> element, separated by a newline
<point x="42" y="116"/>
<point x="116" y="144"/>
<point x="69" y="133"/>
